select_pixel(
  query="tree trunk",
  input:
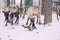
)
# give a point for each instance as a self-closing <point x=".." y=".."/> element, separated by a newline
<point x="47" y="11"/>
<point x="28" y="3"/>
<point x="8" y="2"/>
<point x="21" y="3"/>
<point x="14" y="2"/>
<point x="42" y="10"/>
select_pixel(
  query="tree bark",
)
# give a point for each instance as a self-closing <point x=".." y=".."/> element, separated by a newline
<point x="47" y="11"/>
<point x="8" y="2"/>
<point x="28" y="3"/>
<point x="42" y="8"/>
<point x="21" y="3"/>
<point x="14" y="2"/>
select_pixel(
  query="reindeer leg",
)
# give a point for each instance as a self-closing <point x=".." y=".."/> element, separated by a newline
<point x="57" y="17"/>
<point x="29" y="27"/>
<point x="20" y="14"/>
<point x="39" y="20"/>
<point x="6" y="22"/>
<point x="6" y="18"/>
<point x="12" y="21"/>
<point x="24" y="14"/>
<point x="17" y="19"/>
<point x="33" y="25"/>
<point x="27" y="21"/>
<point x="12" y="18"/>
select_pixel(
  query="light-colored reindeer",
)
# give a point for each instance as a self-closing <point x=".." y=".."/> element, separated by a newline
<point x="31" y="13"/>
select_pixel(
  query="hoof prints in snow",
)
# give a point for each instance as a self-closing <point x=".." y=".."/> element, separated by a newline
<point x="0" y="38"/>
<point x="8" y="36"/>
<point x="10" y="39"/>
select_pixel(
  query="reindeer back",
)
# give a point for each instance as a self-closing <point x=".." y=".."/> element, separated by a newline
<point x="33" y="11"/>
<point x="58" y="10"/>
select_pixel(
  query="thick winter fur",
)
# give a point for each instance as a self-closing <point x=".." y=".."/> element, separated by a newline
<point x="32" y="12"/>
<point x="21" y="12"/>
<point x="58" y="12"/>
<point x="12" y="12"/>
<point x="6" y="14"/>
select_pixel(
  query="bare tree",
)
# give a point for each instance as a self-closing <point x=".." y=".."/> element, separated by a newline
<point x="8" y="2"/>
<point x="42" y="8"/>
<point x="21" y="3"/>
<point x="28" y="3"/>
<point x="14" y="2"/>
<point x="47" y="11"/>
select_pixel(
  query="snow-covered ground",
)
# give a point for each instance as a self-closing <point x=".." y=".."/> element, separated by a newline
<point x="17" y="32"/>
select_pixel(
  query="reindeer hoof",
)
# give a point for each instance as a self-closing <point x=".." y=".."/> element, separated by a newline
<point x="57" y="19"/>
<point x="36" y="22"/>
<point x="30" y="30"/>
<point x="34" y="27"/>
<point x="26" y="23"/>
<point x="39" y="23"/>
<point x="12" y="24"/>
<point x="6" y="25"/>
<point x="23" y="17"/>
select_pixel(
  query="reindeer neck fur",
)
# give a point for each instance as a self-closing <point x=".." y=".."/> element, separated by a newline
<point x="58" y="9"/>
<point x="33" y="11"/>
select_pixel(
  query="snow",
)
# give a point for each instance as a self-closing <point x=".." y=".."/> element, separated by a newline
<point x="43" y="32"/>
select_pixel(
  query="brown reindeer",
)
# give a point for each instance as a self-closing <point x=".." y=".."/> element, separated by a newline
<point x="12" y="12"/>
<point x="58" y="12"/>
<point x="21" y="11"/>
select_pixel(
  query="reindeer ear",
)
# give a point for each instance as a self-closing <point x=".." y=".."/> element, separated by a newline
<point x="8" y="11"/>
<point x="3" y="11"/>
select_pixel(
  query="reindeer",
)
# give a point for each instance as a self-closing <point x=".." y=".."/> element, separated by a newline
<point x="31" y="13"/>
<point x="21" y="11"/>
<point x="11" y="12"/>
<point x="14" y="13"/>
<point x="58" y="12"/>
<point x="6" y="14"/>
